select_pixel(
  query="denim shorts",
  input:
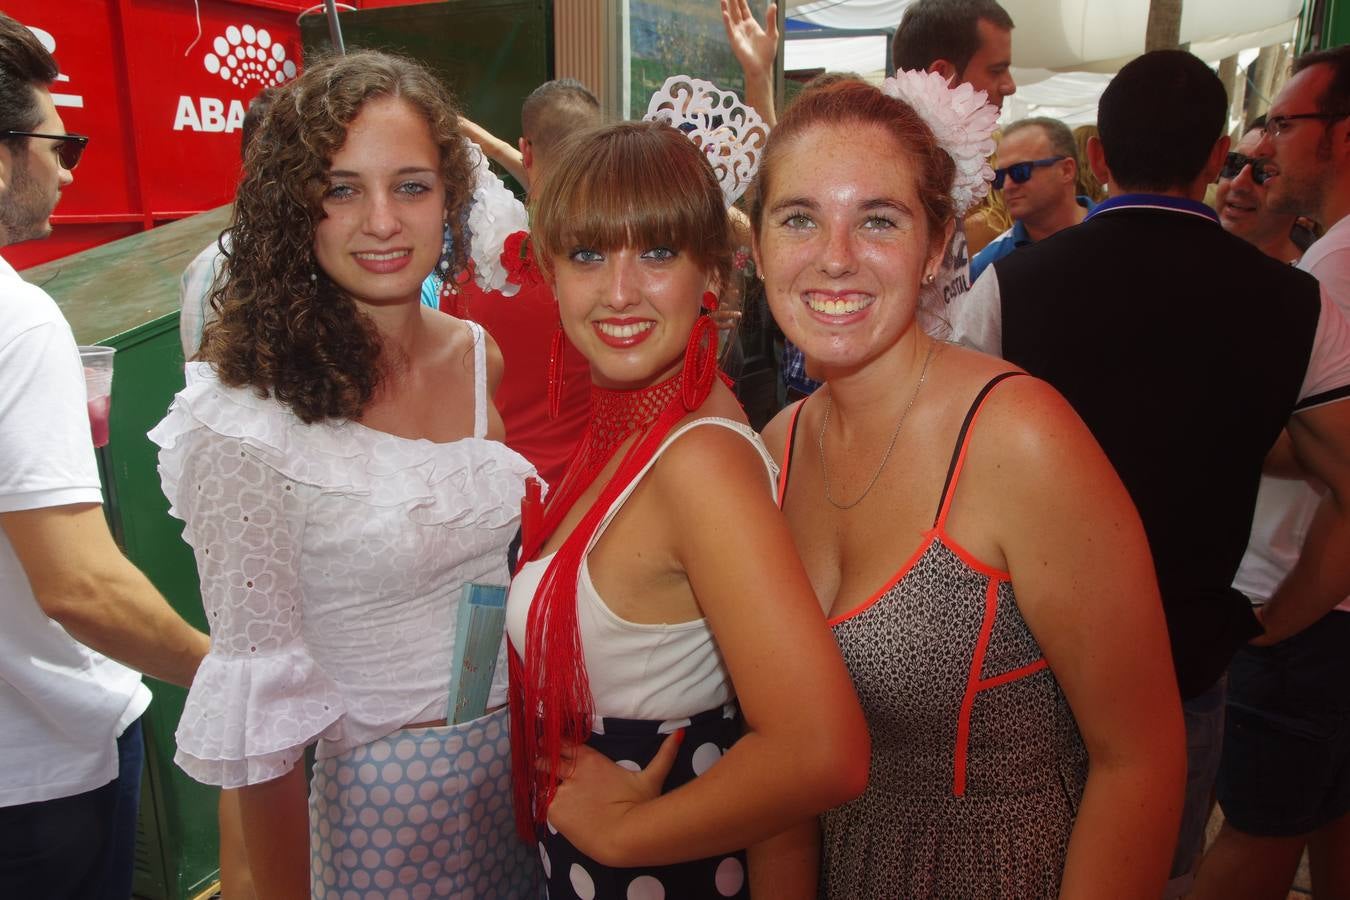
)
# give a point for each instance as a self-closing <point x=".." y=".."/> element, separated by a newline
<point x="1286" y="759"/>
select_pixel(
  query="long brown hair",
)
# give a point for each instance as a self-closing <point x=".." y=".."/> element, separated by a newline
<point x="284" y="327"/>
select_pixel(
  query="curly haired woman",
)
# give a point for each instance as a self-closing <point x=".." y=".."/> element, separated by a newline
<point x="337" y="463"/>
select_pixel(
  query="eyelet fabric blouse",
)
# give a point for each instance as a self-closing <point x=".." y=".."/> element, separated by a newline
<point x="331" y="559"/>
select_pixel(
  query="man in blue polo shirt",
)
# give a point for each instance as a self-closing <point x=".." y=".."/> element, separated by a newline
<point x="1037" y="173"/>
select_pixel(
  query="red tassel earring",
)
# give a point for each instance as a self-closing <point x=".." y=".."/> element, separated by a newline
<point x="700" y="363"/>
<point x="555" y="373"/>
<point x="710" y="301"/>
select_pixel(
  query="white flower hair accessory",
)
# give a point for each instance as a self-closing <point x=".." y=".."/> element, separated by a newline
<point x="731" y="134"/>
<point x="962" y="122"/>
<point x="494" y="215"/>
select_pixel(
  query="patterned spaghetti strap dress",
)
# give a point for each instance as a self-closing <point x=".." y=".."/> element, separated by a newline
<point x="977" y="765"/>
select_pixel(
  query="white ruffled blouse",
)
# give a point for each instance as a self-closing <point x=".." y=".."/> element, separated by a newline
<point x="331" y="558"/>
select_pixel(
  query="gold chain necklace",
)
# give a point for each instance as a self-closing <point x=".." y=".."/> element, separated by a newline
<point x="820" y="438"/>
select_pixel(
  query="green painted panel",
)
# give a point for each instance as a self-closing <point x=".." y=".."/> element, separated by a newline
<point x="148" y="371"/>
<point x="1337" y="32"/>
<point x="491" y="53"/>
<point x="118" y="286"/>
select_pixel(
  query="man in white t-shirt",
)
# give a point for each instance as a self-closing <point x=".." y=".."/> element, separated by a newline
<point x="1284" y="781"/>
<point x="70" y="740"/>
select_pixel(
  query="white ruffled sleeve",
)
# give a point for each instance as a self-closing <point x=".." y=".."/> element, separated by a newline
<point x="258" y="698"/>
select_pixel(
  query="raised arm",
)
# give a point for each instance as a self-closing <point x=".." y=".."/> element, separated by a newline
<point x="755" y="47"/>
<point x="504" y="154"/>
<point x="805" y="748"/>
<point x="1084" y="581"/>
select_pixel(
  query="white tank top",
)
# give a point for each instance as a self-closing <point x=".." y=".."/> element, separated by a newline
<point x="639" y="671"/>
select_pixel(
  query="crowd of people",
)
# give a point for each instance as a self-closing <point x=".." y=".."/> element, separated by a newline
<point x="1050" y="548"/>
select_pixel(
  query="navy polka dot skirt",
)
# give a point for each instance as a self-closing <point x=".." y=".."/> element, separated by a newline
<point x="632" y="743"/>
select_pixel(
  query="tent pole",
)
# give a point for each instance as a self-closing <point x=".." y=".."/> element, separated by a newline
<point x="334" y="27"/>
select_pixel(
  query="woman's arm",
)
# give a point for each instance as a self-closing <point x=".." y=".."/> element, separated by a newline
<point x="787" y="865"/>
<point x="275" y="818"/>
<point x="245" y="520"/>
<point x="806" y="747"/>
<point x="1085" y="585"/>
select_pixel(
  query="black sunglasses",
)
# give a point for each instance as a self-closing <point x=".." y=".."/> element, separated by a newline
<point x="1234" y="163"/>
<point x="1020" y="173"/>
<point x="69" y="150"/>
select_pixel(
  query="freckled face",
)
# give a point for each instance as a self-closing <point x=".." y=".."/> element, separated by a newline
<point x="844" y="244"/>
<point x="629" y="310"/>
<point x="384" y="207"/>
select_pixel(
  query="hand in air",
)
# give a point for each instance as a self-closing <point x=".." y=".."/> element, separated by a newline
<point x="753" y="45"/>
<point x="595" y="798"/>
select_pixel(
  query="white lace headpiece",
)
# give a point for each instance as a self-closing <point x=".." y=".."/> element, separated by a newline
<point x="731" y="134"/>
<point x="962" y="122"/>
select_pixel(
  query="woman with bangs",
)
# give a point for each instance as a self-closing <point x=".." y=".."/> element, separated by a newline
<point x="338" y="466"/>
<point x="675" y="693"/>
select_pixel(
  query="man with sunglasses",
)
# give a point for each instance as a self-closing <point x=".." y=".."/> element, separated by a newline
<point x="1187" y="352"/>
<point x="1241" y="201"/>
<point x="1284" y="782"/>
<point x="1038" y="175"/>
<point x="70" y="603"/>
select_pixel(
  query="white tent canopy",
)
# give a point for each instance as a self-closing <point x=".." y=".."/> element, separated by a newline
<point x="1080" y="37"/>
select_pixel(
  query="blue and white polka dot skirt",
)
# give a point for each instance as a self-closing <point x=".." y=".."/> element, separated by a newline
<point x="424" y="812"/>
<point x="632" y="743"/>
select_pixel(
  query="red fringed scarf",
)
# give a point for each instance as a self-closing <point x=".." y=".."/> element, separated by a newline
<point x="550" y="682"/>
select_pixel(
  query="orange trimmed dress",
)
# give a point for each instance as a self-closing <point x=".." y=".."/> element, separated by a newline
<point x="977" y="765"/>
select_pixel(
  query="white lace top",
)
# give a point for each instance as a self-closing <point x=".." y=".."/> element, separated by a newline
<point x="331" y="558"/>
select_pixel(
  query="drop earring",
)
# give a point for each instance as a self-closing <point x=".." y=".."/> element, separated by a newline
<point x="443" y="268"/>
<point x="555" y="372"/>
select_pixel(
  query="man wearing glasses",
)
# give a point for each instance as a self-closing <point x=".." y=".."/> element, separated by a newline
<point x="1284" y="783"/>
<point x="1243" y="206"/>
<point x="1037" y="174"/>
<point x="1187" y="352"/>
<point x="70" y="740"/>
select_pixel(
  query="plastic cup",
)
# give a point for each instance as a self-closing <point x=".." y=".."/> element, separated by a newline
<point x="98" y="376"/>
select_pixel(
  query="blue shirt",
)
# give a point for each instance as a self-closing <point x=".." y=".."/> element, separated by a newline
<point x="1007" y="242"/>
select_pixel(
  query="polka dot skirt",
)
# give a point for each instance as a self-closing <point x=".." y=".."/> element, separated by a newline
<point x="632" y="744"/>
<point x="424" y="812"/>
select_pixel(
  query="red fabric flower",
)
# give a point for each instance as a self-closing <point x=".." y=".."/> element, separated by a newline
<point x="518" y="260"/>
